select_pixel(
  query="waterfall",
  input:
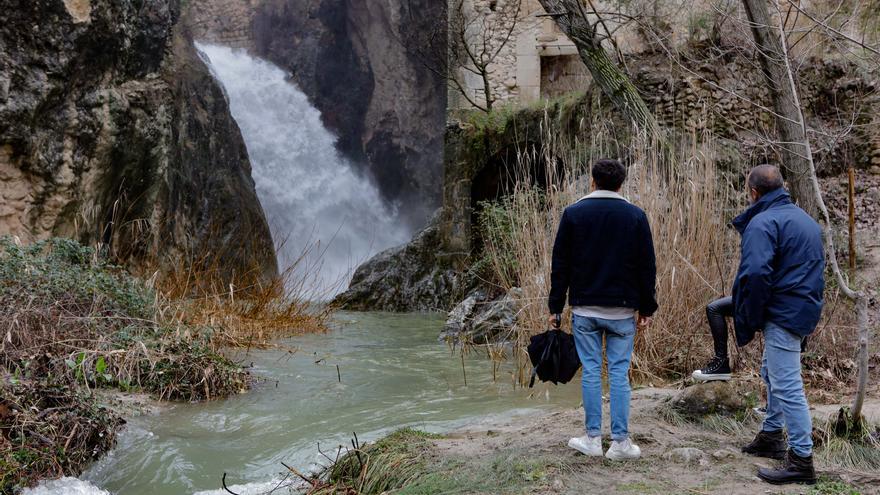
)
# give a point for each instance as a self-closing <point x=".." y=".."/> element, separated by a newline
<point x="321" y="211"/>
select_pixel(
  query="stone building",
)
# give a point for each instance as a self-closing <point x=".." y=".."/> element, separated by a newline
<point x="535" y="61"/>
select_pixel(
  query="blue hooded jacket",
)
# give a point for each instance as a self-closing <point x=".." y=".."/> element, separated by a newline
<point x="781" y="271"/>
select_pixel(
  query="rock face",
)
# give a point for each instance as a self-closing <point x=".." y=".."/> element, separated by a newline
<point x="361" y="65"/>
<point x="113" y="131"/>
<point x="412" y="277"/>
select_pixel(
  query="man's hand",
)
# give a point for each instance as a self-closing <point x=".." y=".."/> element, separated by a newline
<point x="644" y="321"/>
<point x="555" y="320"/>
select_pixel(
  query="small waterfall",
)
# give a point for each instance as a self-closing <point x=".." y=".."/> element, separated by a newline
<point x="319" y="208"/>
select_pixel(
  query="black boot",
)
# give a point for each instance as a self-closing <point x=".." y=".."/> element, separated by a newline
<point x="795" y="469"/>
<point x="770" y="444"/>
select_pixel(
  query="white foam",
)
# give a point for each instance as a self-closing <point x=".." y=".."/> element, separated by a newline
<point x="65" y="486"/>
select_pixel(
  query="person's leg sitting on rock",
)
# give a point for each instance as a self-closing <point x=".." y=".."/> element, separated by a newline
<point x="718" y="367"/>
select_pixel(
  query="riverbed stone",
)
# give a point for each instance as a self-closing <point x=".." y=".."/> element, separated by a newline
<point x="480" y="319"/>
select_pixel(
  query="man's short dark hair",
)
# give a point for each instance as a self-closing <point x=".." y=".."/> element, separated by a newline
<point x="765" y="178"/>
<point x="608" y="174"/>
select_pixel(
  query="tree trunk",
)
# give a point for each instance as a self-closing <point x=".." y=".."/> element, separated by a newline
<point x="571" y="18"/>
<point x="794" y="146"/>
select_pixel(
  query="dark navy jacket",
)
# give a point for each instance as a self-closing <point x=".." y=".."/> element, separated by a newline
<point x="603" y="256"/>
<point x="781" y="270"/>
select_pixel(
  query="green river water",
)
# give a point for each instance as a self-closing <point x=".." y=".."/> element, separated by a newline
<point x="394" y="373"/>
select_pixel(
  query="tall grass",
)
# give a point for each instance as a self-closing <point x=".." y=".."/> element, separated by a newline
<point x="252" y="309"/>
<point x="689" y="208"/>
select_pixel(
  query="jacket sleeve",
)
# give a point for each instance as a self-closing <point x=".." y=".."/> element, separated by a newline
<point x="560" y="271"/>
<point x="754" y="280"/>
<point x="647" y="270"/>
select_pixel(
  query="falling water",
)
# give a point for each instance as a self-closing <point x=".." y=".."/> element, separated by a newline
<point x="319" y="208"/>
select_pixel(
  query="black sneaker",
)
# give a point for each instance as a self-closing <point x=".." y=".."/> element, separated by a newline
<point x="717" y="369"/>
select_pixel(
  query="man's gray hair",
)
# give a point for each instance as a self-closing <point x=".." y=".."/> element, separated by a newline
<point x="765" y="178"/>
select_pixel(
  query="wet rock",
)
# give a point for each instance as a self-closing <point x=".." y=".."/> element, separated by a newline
<point x="459" y="319"/>
<point x="724" y="398"/>
<point x="480" y="320"/>
<point x="687" y="455"/>
<point x="411" y="277"/>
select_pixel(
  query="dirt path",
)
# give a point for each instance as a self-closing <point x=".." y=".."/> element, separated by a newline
<point x="671" y="462"/>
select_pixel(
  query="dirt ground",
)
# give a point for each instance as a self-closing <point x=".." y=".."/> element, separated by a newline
<point x="718" y="467"/>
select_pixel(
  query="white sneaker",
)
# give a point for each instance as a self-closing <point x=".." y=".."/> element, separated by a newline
<point x="587" y="445"/>
<point x="622" y="450"/>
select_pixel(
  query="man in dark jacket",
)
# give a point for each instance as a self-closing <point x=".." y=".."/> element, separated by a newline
<point x="778" y="290"/>
<point x="603" y="258"/>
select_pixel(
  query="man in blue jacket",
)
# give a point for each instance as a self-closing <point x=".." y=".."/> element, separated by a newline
<point x="778" y="290"/>
<point x="603" y="257"/>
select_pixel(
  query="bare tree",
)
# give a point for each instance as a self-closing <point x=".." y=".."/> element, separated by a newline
<point x="572" y="17"/>
<point x="475" y="39"/>
<point x="794" y="146"/>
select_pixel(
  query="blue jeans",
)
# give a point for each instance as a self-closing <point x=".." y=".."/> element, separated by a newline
<point x="619" y="336"/>
<point x="786" y="402"/>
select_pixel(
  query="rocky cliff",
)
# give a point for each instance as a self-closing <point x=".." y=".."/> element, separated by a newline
<point x="113" y="131"/>
<point x="361" y="65"/>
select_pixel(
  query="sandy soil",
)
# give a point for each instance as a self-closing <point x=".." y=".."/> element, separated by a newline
<point x="721" y="469"/>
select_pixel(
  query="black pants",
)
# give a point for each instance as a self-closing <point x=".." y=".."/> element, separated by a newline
<point x="717" y="312"/>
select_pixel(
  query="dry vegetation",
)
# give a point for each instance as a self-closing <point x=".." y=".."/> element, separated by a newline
<point x="73" y="322"/>
<point x="697" y="252"/>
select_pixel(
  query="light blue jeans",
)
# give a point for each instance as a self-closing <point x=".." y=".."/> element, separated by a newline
<point x="786" y="402"/>
<point x="619" y="336"/>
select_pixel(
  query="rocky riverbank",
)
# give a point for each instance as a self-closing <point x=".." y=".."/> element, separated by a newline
<point x="685" y="450"/>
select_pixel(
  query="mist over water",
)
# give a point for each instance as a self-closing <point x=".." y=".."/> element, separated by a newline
<point x="315" y="201"/>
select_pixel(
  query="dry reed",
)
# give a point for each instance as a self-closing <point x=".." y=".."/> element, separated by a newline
<point x="689" y="208"/>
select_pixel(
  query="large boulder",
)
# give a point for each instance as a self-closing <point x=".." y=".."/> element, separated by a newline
<point x="727" y="398"/>
<point x="112" y="131"/>
<point x="412" y="277"/>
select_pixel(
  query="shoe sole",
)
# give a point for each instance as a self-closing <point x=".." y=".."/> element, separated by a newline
<point x="767" y="455"/>
<point x="805" y="481"/>
<point x="719" y="377"/>
<point x="622" y="458"/>
<point x="584" y="451"/>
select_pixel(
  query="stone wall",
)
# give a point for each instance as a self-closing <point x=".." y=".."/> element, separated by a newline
<point x="112" y="131"/>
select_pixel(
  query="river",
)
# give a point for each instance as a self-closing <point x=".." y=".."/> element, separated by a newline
<point x="394" y="373"/>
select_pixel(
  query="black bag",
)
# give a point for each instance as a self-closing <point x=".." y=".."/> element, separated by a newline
<point x="554" y="357"/>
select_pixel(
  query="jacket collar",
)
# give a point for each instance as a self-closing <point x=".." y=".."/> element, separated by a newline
<point x="603" y="194"/>
<point x="773" y="198"/>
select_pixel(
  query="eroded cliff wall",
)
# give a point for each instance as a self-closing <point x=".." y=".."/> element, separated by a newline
<point x="113" y="131"/>
<point x="361" y="65"/>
